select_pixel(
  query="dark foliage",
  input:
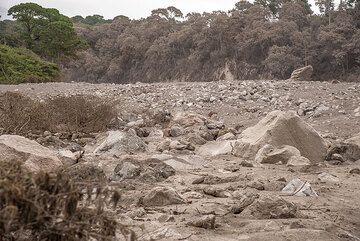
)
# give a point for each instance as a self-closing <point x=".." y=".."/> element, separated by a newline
<point x="267" y="39"/>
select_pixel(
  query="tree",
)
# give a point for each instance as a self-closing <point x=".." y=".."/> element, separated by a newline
<point x="58" y="38"/>
<point x="281" y="61"/>
<point x="326" y="7"/>
<point x="94" y="19"/>
<point x="46" y="31"/>
<point x="296" y="12"/>
<point x="77" y="19"/>
<point x="31" y="16"/>
<point x="273" y="5"/>
<point x="169" y="13"/>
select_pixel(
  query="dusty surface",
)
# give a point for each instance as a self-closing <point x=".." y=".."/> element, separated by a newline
<point x="236" y="103"/>
<point x="332" y="109"/>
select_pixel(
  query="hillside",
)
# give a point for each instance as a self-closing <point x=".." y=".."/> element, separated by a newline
<point x="19" y="65"/>
<point x="250" y="41"/>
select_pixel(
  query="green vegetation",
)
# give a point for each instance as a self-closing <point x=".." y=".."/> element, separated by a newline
<point x="37" y="35"/>
<point x="20" y="65"/>
<point x="46" y="31"/>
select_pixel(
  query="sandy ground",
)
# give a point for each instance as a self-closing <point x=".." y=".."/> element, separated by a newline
<point x="331" y="108"/>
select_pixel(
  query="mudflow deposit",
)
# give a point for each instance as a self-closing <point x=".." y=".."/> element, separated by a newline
<point x="240" y="160"/>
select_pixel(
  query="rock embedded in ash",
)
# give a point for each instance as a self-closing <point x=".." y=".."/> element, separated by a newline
<point x="227" y="136"/>
<point x="176" y="130"/>
<point x="327" y="177"/>
<point x="68" y="157"/>
<point x="181" y="145"/>
<point x="199" y="180"/>
<point x="142" y="168"/>
<point x="84" y="172"/>
<point x="187" y="119"/>
<point x="355" y="146"/>
<point x="216" y="192"/>
<point x="246" y="164"/>
<point x="296" y="187"/>
<point x="195" y="139"/>
<point x="269" y="207"/>
<point x="257" y="184"/>
<point x="193" y="195"/>
<point x="162" y="196"/>
<point x="212" y="124"/>
<point x="127" y="170"/>
<point x="271" y="155"/>
<point x="116" y="143"/>
<point x="302" y="74"/>
<point x="280" y="128"/>
<point x="298" y="161"/>
<point x="345" y="151"/>
<point x="216" y="148"/>
<point x="355" y="171"/>
<point x="206" y="222"/>
<point x="243" y="199"/>
<point x="33" y="156"/>
<point x="137" y="213"/>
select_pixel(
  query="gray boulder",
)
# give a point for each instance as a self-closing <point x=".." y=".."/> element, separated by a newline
<point x="34" y="156"/>
<point x="269" y="207"/>
<point x="116" y="143"/>
<point x="280" y="128"/>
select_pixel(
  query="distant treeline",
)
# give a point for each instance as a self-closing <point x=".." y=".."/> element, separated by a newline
<point x="264" y="39"/>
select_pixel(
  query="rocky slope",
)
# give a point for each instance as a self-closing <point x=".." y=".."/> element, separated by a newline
<point x="190" y="166"/>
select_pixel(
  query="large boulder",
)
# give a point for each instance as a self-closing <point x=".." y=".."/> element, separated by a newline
<point x="302" y="74"/>
<point x="116" y="143"/>
<point x="280" y="128"/>
<point x="34" y="156"/>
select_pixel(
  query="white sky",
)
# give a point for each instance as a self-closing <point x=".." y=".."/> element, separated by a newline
<point x="131" y="8"/>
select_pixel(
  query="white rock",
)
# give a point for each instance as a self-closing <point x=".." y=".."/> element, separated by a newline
<point x="296" y="187"/>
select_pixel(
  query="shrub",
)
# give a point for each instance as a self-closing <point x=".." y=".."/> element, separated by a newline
<point x="19" y="65"/>
<point x="20" y="114"/>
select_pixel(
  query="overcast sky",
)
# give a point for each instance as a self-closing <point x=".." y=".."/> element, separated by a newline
<point x="131" y="8"/>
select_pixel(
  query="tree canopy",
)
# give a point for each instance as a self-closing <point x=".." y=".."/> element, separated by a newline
<point x="263" y="39"/>
<point x="46" y="31"/>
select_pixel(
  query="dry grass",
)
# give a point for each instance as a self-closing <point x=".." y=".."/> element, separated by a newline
<point x="20" y="114"/>
<point x="49" y="206"/>
<point x="54" y="208"/>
